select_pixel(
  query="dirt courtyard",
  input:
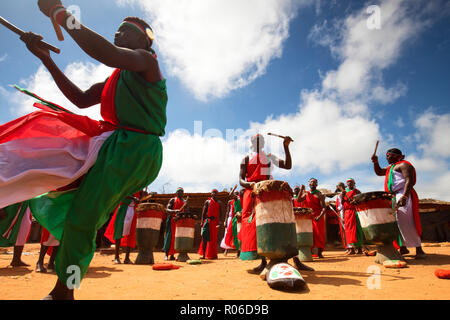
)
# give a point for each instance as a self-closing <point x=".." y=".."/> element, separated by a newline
<point x="336" y="277"/>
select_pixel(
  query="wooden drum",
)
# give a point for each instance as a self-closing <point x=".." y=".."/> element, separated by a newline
<point x="275" y="223"/>
<point x="149" y="219"/>
<point x="184" y="237"/>
<point x="304" y="226"/>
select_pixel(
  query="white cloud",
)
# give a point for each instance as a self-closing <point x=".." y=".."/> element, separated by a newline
<point x="3" y="57"/>
<point x="365" y="53"/>
<point x="216" y="46"/>
<point x="434" y="131"/>
<point x="83" y="74"/>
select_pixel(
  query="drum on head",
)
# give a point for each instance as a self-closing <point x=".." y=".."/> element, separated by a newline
<point x="275" y="222"/>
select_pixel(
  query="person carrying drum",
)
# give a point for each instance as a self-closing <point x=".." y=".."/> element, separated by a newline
<point x="173" y="207"/>
<point x="400" y="178"/>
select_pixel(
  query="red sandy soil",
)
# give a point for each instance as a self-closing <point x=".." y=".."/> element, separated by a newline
<point x="336" y="277"/>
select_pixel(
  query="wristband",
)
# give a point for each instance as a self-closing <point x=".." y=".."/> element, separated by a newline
<point x="59" y="14"/>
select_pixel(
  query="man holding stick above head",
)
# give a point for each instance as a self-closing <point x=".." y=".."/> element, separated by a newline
<point x="133" y="104"/>
<point x="256" y="167"/>
<point x="400" y="177"/>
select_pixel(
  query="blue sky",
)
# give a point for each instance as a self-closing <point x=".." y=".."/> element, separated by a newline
<point x="309" y="69"/>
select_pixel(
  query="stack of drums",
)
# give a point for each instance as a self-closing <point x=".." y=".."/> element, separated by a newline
<point x="304" y="225"/>
<point x="275" y="222"/>
<point x="184" y="237"/>
<point x="149" y="219"/>
<point x="378" y="223"/>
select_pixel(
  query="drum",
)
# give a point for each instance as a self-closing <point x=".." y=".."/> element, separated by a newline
<point x="275" y="223"/>
<point x="304" y="226"/>
<point x="184" y="237"/>
<point x="148" y="224"/>
<point x="378" y="223"/>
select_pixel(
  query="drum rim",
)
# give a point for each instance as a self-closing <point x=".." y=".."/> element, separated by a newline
<point x="139" y="206"/>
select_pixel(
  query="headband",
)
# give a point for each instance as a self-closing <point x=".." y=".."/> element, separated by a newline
<point x="180" y="188"/>
<point x="214" y="190"/>
<point x="146" y="31"/>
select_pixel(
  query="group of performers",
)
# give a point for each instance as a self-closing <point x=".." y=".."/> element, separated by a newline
<point x="71" y="172"/>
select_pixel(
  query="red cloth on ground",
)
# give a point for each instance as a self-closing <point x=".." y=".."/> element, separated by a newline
<point x="442" y="274"/>
<point x="211" y="246"/>
<point x="350" y="217"/>
<point x="313" y="202"/>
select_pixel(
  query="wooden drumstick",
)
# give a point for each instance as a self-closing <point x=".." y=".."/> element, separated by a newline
<point x="376" y="147"/>
<point x="279" y="136"/>
<point x="20" y="32"/>
<point x="184" y="205"/>
<point x="58" y="31"/>
<point x="232" y="190"/>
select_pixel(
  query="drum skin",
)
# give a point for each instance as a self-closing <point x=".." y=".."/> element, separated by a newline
<point x="376" y="216"/>
<point x="275" y="223"/>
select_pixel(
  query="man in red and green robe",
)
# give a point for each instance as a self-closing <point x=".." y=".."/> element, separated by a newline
<point x="212" y="211"/>
<point x="116" y="157"/>
<point x="121" y="229"/>
<point x="400" y="178"/>
<point x="230" y="240"/>
<point x="315" y="200"/>
<point x="256" y="167"/>
<point x="353" y="231"/>
<point x="173" y="207"/>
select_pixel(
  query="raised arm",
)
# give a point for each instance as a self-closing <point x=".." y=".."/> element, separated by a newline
<point x="287" y="162"/>
<point x="82" y="99"/>
<point x="100" y="49"/>
<point x="376" y="167"/>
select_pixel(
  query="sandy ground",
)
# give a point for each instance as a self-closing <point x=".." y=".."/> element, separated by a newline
<point x="336" y="277"/>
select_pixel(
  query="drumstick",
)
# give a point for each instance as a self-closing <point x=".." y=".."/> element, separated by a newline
<point x="232" y="190"/>
<point x="277" y="135"/>
<point x="376" y="147"/>
<point x="58" y="31"/>
<point x="185" y="203"/>
<point x="20" y="32"/>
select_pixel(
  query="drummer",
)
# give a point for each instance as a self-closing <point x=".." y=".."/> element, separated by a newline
<point x="211" y="214"/>
<point x="172" y="209"/>
<point x="353" y="232"/>
<point x="315" y="200"/>
<point x="256" y="167"/>
<point x="400" y="177"/>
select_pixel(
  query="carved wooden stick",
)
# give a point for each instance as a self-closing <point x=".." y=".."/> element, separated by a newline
<point x="20" y="32"/>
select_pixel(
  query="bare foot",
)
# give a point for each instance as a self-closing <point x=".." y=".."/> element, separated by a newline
<point x="40" y="268"/>
<point x="20" y="263"/>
